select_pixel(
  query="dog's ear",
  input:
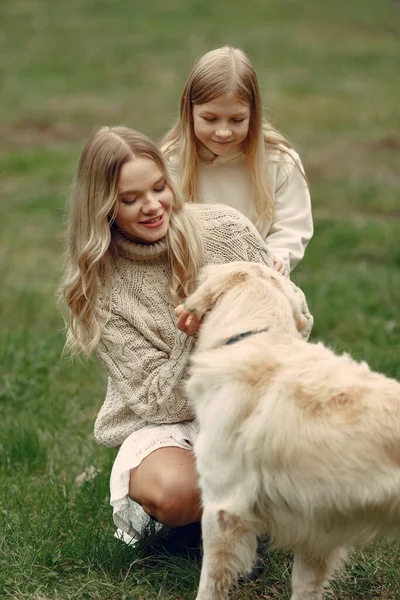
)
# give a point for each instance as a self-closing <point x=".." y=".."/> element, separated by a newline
<point x="301" y="323"/>
<point x="214" y="282"/>
<point x="288" y="288"/>
<point x="299" y="317"/>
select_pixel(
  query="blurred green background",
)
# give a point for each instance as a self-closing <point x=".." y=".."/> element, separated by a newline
<point x="329" y="78"/>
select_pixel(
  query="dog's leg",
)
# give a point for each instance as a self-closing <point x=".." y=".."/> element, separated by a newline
<point x="310" y="574"/>
<point x="229" y="547"/>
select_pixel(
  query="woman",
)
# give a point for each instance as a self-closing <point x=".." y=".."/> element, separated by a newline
<point x="134" y="249"/>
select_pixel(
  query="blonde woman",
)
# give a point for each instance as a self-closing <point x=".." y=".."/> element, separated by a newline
<point x="222" y="151"/>
<point x="134" y="249"/>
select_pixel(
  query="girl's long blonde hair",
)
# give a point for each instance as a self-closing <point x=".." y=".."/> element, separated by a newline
<point x="222" y="71"/>
<point x="90" y="249"/>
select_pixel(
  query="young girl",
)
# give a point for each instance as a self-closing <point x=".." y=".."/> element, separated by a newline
<point x="222" y="151"/>
<point x="133" y="253"/>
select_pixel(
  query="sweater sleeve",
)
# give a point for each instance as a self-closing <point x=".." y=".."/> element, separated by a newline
<point x="292" y="227"/>
<point x="149" y="377"/>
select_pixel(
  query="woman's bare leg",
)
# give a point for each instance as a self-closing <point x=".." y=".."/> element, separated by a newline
<point x="165" y="484"/>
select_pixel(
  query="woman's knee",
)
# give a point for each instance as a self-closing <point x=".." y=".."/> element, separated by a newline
<point x="165" y="484"/>
<point x="176" y="503"/>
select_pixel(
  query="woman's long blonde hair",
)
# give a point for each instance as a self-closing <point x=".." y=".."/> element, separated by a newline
<point x="222" y="71"/>
<point x="90" y="249"/>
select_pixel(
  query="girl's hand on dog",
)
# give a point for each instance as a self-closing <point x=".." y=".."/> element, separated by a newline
<point x="186" y="322"/>
<point x="280" y="267"/>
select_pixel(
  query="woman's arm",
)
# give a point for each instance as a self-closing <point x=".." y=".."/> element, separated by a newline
<point x="292" y="226"/>
<point x="148" y="375"/>
<point x="233" y="237"/>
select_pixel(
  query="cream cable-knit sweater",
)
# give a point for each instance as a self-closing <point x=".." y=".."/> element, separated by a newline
<point x="145" y="355"/>
<point x="226" y="180"/>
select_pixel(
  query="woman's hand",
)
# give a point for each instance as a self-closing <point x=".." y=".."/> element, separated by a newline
<point x="280" y="267"/>
<point x="186" y="322"/>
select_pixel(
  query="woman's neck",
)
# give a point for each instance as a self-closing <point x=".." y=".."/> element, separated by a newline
<point x="139" y="250"/>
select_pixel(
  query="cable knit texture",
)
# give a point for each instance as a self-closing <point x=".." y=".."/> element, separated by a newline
<point x="145" y="355"/>
<point x="226" y="180"/>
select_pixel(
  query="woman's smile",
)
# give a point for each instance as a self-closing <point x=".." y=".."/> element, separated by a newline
<point x="154" y="222"/>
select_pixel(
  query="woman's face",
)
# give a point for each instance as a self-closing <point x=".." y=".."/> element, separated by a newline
<point x="145" y="201"/>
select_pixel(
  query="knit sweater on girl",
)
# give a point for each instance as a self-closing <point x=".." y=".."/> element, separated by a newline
<point x="226" y="180"/>
<point x="145" y="355"/>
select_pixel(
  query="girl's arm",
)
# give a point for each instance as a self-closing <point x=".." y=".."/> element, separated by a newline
<point x="292" y="226"/>
<point x="148" y="375"/>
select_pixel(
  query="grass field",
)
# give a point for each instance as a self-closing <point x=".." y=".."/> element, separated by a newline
<point x="329" y="77"/>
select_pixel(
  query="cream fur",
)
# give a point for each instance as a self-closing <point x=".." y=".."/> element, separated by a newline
<point x="294" y="440"/>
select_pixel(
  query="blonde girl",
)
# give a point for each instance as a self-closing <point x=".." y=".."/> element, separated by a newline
<point x="134" y="249"/>
<point x="222" y="151"/>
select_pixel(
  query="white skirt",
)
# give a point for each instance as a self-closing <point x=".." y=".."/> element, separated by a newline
<point x="129" y="516"/>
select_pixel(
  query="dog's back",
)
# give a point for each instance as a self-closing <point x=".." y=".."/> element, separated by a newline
<point x="319" y="433"/>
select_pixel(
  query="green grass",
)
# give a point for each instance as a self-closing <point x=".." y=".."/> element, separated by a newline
<point x="329" y="79"/>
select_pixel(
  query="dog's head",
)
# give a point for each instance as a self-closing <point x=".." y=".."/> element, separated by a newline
<point x="215" y="281"/>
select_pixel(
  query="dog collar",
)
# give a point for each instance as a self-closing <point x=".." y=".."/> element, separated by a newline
<point x="242" y="336"/>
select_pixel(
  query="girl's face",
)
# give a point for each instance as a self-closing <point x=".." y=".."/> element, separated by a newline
<point x="222" y="125"/>
<point x="145" y="201"/>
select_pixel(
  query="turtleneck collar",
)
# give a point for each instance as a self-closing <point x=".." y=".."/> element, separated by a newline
<point x="139" y="252"/>
<point x="206" y="157"/>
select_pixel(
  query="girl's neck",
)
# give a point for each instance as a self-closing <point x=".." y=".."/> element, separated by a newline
<point x="207" y="157"/>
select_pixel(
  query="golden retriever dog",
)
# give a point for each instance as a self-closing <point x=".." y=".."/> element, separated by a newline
<point x="294" y="440"/>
